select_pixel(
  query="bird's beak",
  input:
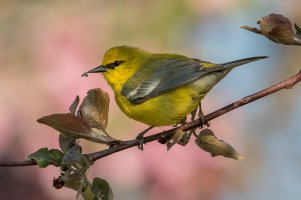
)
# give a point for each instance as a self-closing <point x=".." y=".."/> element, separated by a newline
<point x="98" y="69"/>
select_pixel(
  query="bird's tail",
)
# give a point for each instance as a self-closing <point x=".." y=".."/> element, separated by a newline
<point x="236" y="63"/>
<point x="219" y="71"/>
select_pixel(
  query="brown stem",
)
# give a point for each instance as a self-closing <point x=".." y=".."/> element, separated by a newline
<point x="17" y="163"/>
<point x="286" y="84"/>
<point x="252" y="29"/>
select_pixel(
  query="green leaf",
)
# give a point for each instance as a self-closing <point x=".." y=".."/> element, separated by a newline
<point x="74" y="166"/>
<point x="45" y="157"/>
<point x="101" y="189"/>
<point x="207" y="141"/>
<point x="75" y="158"/>
<point x="66" y="142"/>
<point x="95" y="108"/>
<point x="74" y="105"/>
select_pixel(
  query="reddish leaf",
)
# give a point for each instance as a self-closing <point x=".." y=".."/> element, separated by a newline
<point x="73" y="127"/>
<point x="74" y="105"/>
<point x="66" y="123"/>
<point x="277" y="28"/>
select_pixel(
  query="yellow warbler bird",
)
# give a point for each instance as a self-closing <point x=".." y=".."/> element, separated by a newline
<point x="160" y="89"/>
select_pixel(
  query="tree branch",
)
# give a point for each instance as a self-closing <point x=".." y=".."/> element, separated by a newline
<point x="286" y="84"/>
<point x="17" y="163"/>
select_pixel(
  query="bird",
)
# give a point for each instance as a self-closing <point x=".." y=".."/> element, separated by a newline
<point x="160" y="89"/>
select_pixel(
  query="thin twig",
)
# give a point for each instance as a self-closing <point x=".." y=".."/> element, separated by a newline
<point x="252" y="29"/>
<point x="17" y="163"/>
<point x="286" y="84"/>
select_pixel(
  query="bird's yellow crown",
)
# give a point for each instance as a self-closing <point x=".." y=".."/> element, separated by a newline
<point x="122" y="62"/>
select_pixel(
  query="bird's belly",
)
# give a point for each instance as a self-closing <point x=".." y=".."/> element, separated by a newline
<point x="166" y="109"/>
<point x="204" y="84"/>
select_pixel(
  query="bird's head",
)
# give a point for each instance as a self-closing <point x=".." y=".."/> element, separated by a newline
<point x="120" y="63"/>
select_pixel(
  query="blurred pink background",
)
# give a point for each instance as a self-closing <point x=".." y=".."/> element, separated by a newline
<point x="46" y="45"/>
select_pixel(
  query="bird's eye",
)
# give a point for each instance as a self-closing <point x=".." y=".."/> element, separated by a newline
<point x="117" y="63"/>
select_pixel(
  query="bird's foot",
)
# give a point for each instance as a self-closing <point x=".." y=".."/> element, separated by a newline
<point x="140" y="141"/>
<point x="203" y="121"/>
<point x="140" y="138"/>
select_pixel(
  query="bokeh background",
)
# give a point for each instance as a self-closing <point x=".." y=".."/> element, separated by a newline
<point x="46" y="45"/>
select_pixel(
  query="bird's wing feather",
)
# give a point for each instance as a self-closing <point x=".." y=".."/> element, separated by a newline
<point x="164" y="76"/>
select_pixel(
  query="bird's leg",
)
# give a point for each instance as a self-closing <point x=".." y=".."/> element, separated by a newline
<point x="202" y="117"/>
<point x="140" y="137"/>
<point x="193" y="114"/>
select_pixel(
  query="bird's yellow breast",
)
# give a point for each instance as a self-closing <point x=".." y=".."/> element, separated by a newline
<point x="163" y="110"/>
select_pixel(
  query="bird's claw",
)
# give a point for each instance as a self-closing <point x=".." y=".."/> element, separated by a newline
<point x="203" y="121"/>
<point x="140" y="141"/>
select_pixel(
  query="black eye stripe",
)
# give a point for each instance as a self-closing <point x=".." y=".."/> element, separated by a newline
<point x="117" y="63"/>
<point x="114" y="64"/>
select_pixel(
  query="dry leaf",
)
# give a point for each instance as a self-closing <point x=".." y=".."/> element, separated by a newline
<point x="74" y="105"/>
<point x="185" y="138"/>
<point x="175" y="139"/>
<point x="277" y="28"/>
<point x="298" y="29"/>
<point x="67" y="124"/>
<point x="73" y="127"/>
<point x="252" y="29"/>
<point x="207" y="141"/>
<point x="95" y="108"/>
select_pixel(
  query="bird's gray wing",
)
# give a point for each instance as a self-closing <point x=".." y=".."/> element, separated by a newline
<point x="163" y="76"/>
